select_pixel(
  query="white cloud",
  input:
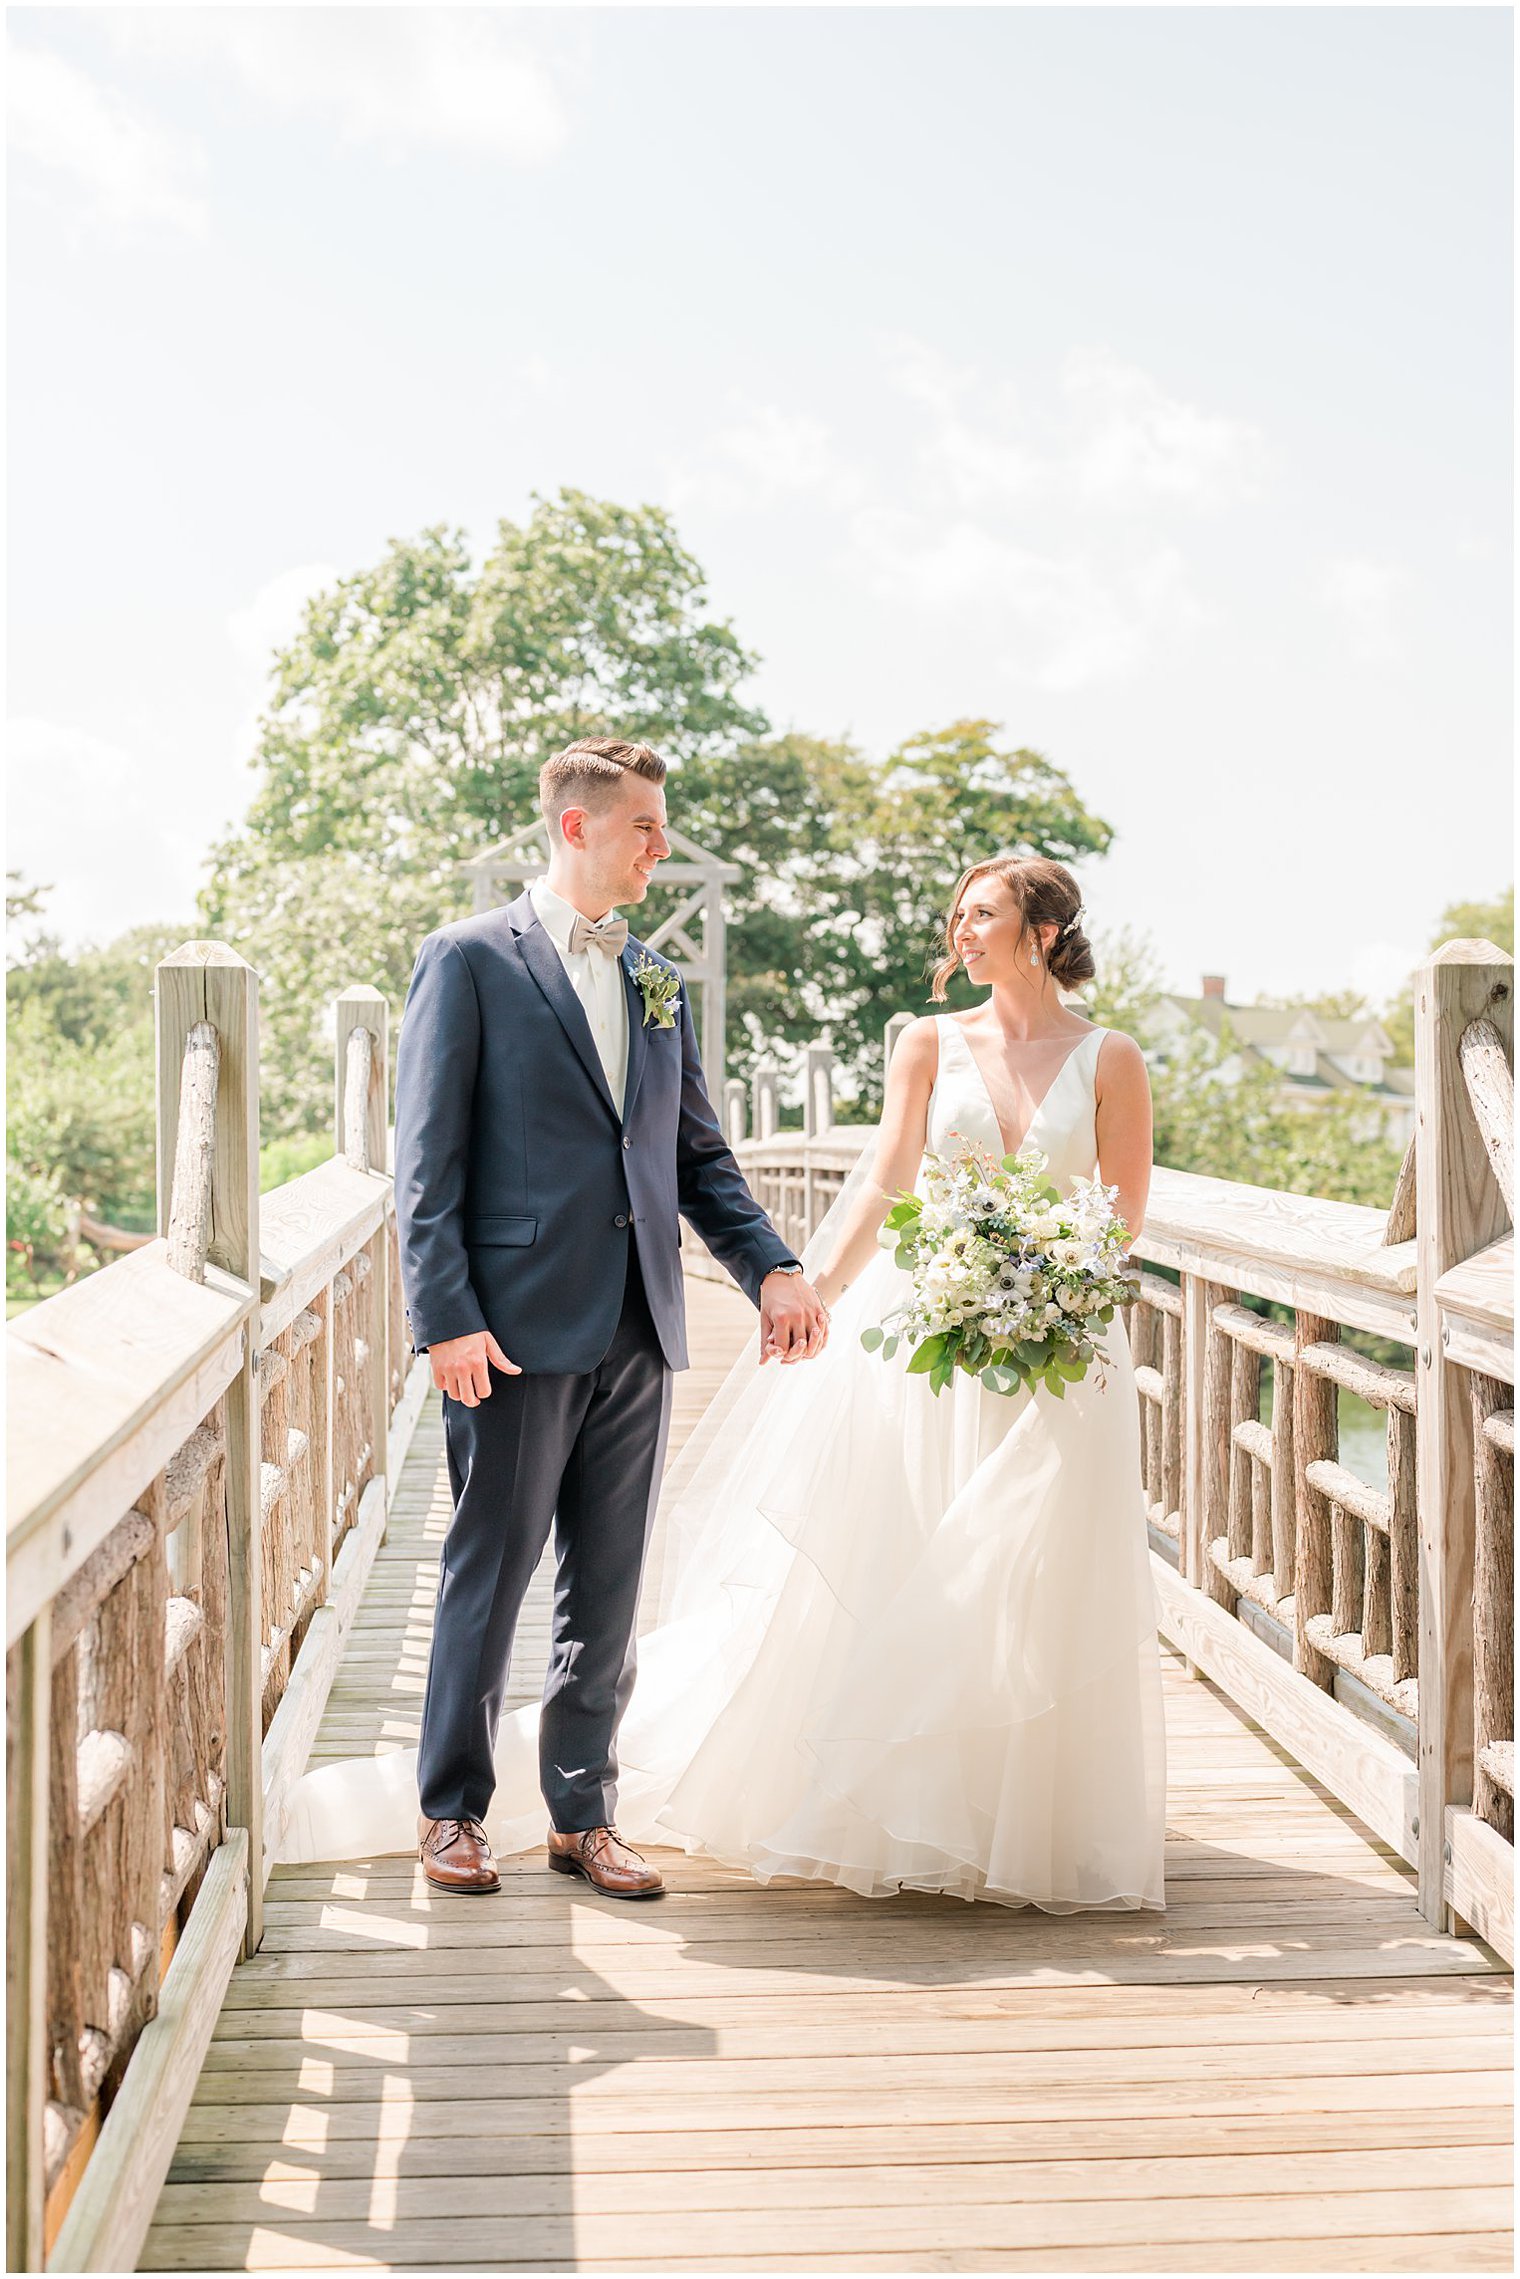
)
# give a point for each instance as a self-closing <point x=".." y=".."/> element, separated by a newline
<point x="125" y="169"/>
<point x="461" y="78"/>
<point x="273" y="616"/>
<point x="926" y="375"/>
<point x="1059" y="621"/>
<point x="1106" y="436"/>
<point x="1362" y="596"/>
<point x="766" y="455"/>
<point x="1132" y="443"/>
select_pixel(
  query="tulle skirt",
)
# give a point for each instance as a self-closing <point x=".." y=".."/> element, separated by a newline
<point x="904" y="1642"/>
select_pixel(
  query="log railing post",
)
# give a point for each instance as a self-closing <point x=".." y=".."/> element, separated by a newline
<point x="362" y="1087"/>
<point x="1214" y="1454"/>
<point x="361" y="1011"/>
<point x="766" y="1104"/>
<point x="29" y="1685"/>
<point x="206" y="982"/>
<point x="1493" y="1586"/>
<point x="890" y="1037"/>
<point x="1459" y="1210"/>
<point x="1316" y="1439"/>
<point x="817" y="1092"/>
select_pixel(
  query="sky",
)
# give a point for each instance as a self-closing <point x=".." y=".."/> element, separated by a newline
<point x="1139" y="379"/>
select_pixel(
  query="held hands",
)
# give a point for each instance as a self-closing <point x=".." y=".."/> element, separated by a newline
<point x="794" y="1323"/>
<point x="462" y="1366"/>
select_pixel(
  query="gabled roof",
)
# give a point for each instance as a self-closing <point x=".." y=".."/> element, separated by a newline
<point x="1287" y="1024"/>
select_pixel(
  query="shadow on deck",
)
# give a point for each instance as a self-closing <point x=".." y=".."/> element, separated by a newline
<point x="1290" y="2070"/>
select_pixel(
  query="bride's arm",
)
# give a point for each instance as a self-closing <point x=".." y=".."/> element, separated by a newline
<point x="1124" y="1125"/>
<point x="899" y="1151"/>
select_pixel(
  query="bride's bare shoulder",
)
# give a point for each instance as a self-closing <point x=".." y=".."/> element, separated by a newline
<point x="916" y="1053"/>
<point x="1119" y="1060"/>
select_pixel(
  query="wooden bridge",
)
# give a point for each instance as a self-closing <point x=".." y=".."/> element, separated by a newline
<point x="227" y="1499"/>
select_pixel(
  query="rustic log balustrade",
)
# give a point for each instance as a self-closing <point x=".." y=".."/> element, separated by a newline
<point x="203" y="1433"/>
<point x="1368" y="1626"/>
<point x="201" y="1436"/>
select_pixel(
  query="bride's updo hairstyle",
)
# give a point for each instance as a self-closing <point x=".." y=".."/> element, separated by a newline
<point x="1045" y="894"/>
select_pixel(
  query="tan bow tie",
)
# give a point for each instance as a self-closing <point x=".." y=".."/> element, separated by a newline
<point x="609" y="935"/>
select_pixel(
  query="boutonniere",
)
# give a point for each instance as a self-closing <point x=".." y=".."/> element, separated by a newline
<point x="660" y="988"/>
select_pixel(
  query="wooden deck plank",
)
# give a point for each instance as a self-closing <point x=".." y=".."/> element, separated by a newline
<point x="1054" y="2226"/>
<point x="867" y="2188"/>
<point x="927" y="2144"/>
<point x="1287" y="2069"/>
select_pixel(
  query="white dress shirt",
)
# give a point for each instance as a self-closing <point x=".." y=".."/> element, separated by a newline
<point x="597" y="981"/>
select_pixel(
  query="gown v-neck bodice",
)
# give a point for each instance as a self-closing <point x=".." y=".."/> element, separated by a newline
<point x="1063" y="1126"/>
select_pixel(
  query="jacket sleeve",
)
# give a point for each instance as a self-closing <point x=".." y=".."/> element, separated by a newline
<point x="436" y="1062"/>
<point x="711" y="1189"/>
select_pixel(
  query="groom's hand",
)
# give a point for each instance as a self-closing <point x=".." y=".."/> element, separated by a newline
<point x="794" y="1323"/>
<point x="462" y="1366"/>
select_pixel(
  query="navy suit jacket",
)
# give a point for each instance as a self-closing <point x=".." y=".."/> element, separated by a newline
<point x="518" y="1184"/>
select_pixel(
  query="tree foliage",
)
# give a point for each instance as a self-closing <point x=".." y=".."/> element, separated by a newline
<point x="409" y="717"/>
<point x="1230" y="1118"/>
<point x="1459" y="922"/>
<point x="79" y="1088"/>
<point x="407" y="723"/>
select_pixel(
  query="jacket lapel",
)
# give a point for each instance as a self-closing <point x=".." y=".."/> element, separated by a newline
<point x="542" y="960"/>
<point x="638" y="1043"/>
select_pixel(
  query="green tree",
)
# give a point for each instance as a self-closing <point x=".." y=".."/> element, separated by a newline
<point x="79" y="1090"/>
<point x="406" y="727"/>
<point x="409" y="718"/>
<point x="1232" y="1122"/>
<point x="1459" y="922"/>
<point x="849" y="868"/>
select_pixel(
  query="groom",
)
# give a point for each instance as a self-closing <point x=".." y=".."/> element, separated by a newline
<point x="551" y="1127"/>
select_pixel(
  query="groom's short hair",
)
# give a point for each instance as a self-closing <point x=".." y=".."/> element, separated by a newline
<point x="583" y="774"/>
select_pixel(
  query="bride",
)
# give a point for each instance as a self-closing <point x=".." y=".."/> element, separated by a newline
<point x="904" y="1641"/>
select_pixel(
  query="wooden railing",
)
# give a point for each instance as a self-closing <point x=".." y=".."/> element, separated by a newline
<point x="201" y="1436"/>
<point x="1368" y="1625"/>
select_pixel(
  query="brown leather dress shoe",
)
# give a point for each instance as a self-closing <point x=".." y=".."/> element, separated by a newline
<point x="607" y="1863"/>
<point x="456" y="1857"/>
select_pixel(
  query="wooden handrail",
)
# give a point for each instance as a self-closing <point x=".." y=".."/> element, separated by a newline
<point x="204" y="1432"/>
<point x="1266" y="1520"/>
<point x="202" y="1437"/>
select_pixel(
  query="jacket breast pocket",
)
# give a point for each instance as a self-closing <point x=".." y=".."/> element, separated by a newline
<point x="483" y="1234"/>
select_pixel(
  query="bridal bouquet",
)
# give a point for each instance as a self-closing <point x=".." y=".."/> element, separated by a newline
<point x="1010" y="1277"/>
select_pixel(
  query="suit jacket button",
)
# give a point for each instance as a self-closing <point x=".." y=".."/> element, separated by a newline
<point x="621" y="1220"/>
<point x="627" y="1143"/>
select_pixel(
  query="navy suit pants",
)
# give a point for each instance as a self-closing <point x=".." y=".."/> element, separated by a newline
<point x="582" y="1454"/>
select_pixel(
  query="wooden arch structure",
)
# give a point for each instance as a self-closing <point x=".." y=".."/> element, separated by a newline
<point x="693" y="935"/>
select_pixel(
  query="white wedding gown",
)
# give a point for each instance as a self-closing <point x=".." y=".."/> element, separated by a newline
<point x="905" y="1641"/>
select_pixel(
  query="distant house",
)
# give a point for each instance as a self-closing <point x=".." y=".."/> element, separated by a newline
<point x="1316" y="1056"/>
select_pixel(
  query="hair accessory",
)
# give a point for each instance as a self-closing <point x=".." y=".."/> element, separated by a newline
<point x="1079" y="913"/>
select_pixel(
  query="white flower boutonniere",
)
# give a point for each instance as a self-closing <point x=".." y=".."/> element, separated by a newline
<point x="660" y="989"/>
